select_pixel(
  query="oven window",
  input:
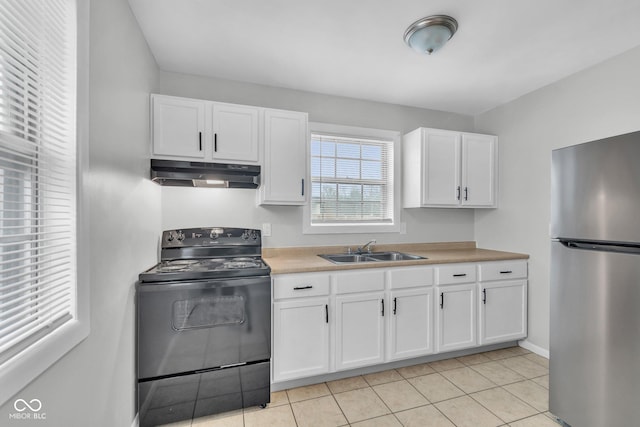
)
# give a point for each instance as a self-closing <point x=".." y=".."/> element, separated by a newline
<point x="208" y="312"/>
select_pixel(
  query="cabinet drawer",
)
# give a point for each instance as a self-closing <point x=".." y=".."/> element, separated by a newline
<point x="300" y="285"/>
<point x="456" y="273"/>
<point x="359" y="281"/>
<point x="410" y="277"/>
<point x="502" y="270"/>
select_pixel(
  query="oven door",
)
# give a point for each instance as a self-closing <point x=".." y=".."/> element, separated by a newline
<point x="198" y="325"/>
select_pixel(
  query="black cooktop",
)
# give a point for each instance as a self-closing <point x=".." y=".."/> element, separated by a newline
<point x="207" y="253"/>
<point x="206" y="268"/>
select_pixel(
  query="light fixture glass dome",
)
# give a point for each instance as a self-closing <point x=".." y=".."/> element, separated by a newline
<point x="429" y="34"/>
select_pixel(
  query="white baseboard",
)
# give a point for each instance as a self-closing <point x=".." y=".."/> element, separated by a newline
<point x="534" y="348"/>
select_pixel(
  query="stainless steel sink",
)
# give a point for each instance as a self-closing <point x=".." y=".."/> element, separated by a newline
<point x="393" y="256"/>
<point x="368" y="257"/>
<point x="347" y="258"/>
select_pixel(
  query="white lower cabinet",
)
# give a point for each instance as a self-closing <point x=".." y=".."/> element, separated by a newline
<point x="456" y="317"/>
<point x="300" y="325"/>
<point x="301" y="338"/>
<point x="339" y="320"/>
<point x="410" y="323"/>
<point x="503" y="311"/>
<point x="359" y="330"/>
<point x="502" y="301"/>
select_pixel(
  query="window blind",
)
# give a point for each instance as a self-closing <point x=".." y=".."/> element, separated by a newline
<point x="351" y="180"/>
<point x="37" y="170"/>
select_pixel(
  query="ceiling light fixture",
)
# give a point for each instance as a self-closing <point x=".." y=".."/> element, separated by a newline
<point x="429" y="34"/>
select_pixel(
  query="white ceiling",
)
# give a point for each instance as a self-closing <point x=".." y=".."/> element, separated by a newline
<point x="502" y="50"/>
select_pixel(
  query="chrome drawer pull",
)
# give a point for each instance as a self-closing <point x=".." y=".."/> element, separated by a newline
<point x="460" y="275"/>
<point x="506" y="272"/>
<point x="299" y="288"/>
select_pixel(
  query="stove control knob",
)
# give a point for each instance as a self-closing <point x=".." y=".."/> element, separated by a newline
<point x="180" y="236"/>
<point x="213" y="235"/>
<point x="254" y="235"/>
<point x="245" y="235"/>
<point x="170" y="237"/>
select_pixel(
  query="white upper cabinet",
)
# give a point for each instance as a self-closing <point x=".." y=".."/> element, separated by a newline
<point x="235" y="132"/>
<point x="444" y="168"/>
<point x="178" y="126"/>
<point x="478" y="170"/>
<point x="191" y="129"/>
<point x="285" y="158"/>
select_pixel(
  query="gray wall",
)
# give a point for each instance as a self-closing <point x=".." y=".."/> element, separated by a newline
<point x="183" y="208"/>
<point x="93" y="385"/>
<point x="599" y="102"/>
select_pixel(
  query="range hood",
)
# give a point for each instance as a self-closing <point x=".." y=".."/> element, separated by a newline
<point x="199" y="174"/>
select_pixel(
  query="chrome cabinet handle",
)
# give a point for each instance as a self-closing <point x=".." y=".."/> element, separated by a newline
<point x="506" y="272"/>
<point x="382" y="301"/>
<point x="200" y="140"/>
<point x="326" y="313"/>
<point x="484" y="296"/>
<point x="458" y="196"/>
<point x="466" y="193"/>
<point x="395" y="305"/>
<point x="441" y="299"/>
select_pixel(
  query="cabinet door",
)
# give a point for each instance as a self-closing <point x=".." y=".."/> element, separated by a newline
<point x="285" y="158"/>
<point x="235" y="133"/>
<point x="456" y="317"/>
<point x="503" y="311"/>
<point x="359" y="330"/>
<point x="300" y="338"/>
<point x="478" y="170"/>
<point x="441" y="168"/>
<point x="411" y="323"/>
<point x="178" y="126"/>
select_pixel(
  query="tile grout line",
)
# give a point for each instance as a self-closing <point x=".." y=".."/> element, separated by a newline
<point x="385" y="403"/>
<point x="525" y="378"/>
<point x="338" y="404"/>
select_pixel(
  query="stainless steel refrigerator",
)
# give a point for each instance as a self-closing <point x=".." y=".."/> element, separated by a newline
<point x="595" y="283"/>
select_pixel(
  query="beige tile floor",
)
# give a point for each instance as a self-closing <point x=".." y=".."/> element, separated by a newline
<point x="507" y="387"/>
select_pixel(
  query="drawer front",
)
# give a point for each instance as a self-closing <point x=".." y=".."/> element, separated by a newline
<point x="300" y="285"/>
<point x="456" y="273"/>
<point x="410" y="277"/>
<point x="359" y="281"/>
<point x="502" y="270"/>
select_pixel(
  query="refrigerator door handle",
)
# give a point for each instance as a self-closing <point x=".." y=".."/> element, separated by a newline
<point x="601" y="246"/>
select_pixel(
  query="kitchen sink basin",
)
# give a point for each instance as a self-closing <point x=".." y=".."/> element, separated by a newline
<point x="347" y="258"/>
<point x="393" y="256"/>
<point x="368" y="257"/>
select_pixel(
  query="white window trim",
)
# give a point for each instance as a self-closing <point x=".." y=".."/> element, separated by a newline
<point x="27" y="365"/>
<point x="356" y="132"/>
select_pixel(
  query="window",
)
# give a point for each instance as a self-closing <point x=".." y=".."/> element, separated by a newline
<point x="38" y="177"/>
<point x="352" y="180"/>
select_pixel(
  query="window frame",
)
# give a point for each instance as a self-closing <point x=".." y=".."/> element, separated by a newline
<point x="23" y="368"/>
<point x="355" y="227"/>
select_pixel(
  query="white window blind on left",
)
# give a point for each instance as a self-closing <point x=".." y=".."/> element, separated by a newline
<point x="37" y="170"/>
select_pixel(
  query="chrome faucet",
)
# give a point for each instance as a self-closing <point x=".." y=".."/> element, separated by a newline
<point x="366" y="247"/>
